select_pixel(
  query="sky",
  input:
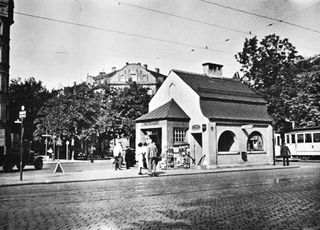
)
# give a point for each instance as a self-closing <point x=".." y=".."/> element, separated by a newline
<point x="60" y="42"/>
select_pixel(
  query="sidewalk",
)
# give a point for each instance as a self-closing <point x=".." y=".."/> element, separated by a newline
<point x="111" y="174"/>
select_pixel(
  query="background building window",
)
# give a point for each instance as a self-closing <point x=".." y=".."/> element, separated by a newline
<point x="255" y="142"/>
<point x="179" y="136"/>
<point x="226" y="142"/>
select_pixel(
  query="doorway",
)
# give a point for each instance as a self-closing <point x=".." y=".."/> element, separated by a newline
<point x="197" y="147"/>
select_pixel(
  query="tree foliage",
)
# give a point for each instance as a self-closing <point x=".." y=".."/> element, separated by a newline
<point x="90" y="114"/>
<point x="305" y="105"/>
<point x="269" y="68"/>
<point x="33" y="95"/>
<point x="71" y="113"/>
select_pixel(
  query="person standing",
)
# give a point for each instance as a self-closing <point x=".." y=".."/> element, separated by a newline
<point x="152" y="155"/>
<point x="145" y="160"/>
<point x="139" y="157"/>
<point x="285" y="153"/>
<point x="117" y="151"/>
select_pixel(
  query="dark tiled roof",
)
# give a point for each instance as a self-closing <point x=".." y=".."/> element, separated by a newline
<point x="234" y="111"/>
<point x="157" y="75"/>
<point x="104" y="75"/>
<point x="169" y="111"/>
<point x="219" y="88"/>
<point x="226" y="99"/>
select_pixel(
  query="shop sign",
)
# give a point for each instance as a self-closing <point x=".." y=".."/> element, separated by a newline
<point x="150" y="123"/>
<point x="195" y="127"/>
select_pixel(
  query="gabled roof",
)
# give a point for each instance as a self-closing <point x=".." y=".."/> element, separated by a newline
<point x="219" y="88"/>
<point x="169" y="111"/>
<point x="224" y="99"/>
<point x="103" y="75"/>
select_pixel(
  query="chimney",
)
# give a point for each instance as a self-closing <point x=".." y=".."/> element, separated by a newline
<point x="157" y="70"/>
<point x="145" y="66"/>
<point x="212" y="69"/>
<point x="113" y="69"/>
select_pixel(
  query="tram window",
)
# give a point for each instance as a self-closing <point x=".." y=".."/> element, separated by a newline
<point x="293" y="138"/>
<point x="308" y="138"/>
<point x="288" y="139"/>
<point x="300" y="138"/>
<point x="316" y="137"/>
<point x="278" y="140"/>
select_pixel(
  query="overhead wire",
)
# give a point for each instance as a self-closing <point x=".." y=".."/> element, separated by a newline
<point x="121" y="32"/>
<point x="183" y="17"/>
<point x="260" y="16"/>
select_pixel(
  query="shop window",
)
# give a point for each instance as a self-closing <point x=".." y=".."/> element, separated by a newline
<point x="179" y="136"/>
<point x="226" y="141"/>
<point x="308" y="138"/>
<point x="300" y="138"/>
<point x="316" y="137"/>
<point x="255" y="142"/>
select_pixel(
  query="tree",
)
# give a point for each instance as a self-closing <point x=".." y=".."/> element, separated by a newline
<point x="305" y="105"/>
<point x="269" y="69"/>
<point x="120" y="108"/>
<point x="33" y="95"/>
<point x="71" y="113"/>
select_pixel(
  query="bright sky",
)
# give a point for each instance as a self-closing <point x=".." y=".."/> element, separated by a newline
<point x="61" y="41"/>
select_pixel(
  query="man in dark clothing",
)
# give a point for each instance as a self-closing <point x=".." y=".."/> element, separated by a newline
<point x="285" y="153"/>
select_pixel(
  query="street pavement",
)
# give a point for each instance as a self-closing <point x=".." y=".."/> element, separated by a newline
<point x="278" y="198"/>
<point x="77" y="171"/>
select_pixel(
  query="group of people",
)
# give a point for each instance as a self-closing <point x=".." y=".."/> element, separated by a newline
<point x="147" y="156"/>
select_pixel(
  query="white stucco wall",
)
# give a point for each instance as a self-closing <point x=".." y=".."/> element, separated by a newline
<point x="189" y="101"/>
<point x="241" y="136"/>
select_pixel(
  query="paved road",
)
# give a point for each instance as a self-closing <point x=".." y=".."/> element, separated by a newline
<point x="273" y="199"/>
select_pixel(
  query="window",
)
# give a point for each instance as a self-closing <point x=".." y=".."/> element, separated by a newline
<point x="179" y="136"/>
<point x="287" y="139"/>
<point x="278" y="140"/>
<point x="255" y="142"/>
<point x="293" y="138"/>
<point x="300" y="138"/>
<point x="226" y="142"/>
<point x="0" y="53"/>
<point x="308" y="138"/>
<point x="316" y="137"/>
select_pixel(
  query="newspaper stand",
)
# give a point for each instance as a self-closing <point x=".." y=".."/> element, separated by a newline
<point x="176" y="157"/>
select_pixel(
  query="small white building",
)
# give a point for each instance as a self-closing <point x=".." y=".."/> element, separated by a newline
<point x="222" y="120"/>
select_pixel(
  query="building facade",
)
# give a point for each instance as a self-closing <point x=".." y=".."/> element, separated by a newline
<point x="134" y="72"/>
<point x="223" y="122"/>
<point x="6" y="20"/>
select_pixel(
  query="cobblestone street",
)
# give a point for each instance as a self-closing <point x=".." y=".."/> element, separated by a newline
<point x="275" y="199"/>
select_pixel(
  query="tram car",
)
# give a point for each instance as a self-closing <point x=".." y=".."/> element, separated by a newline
<point x="304" y="143"/>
